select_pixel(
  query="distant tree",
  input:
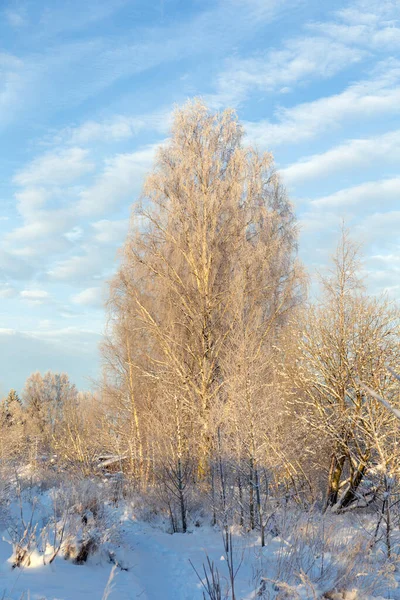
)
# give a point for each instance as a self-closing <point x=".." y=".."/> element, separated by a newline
<point x="78" y="438"/>
<point x="46" y="397"/>
<point x="12" y="427"/>
<point x="13" y="408"/>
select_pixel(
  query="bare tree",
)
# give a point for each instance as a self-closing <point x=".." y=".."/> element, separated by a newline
<point x="347" y="337"/>
<point x="208" y="280"/>
<point x="45" y="398"/>
<point x="78" y="434"/>
<point x="12" y="426"/>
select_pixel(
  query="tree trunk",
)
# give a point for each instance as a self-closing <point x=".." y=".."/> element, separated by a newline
<point x="181" y="488"/>
<point x="240" y="488"/>
<point x="251" y="495"/>
<point x="349" y="495"/>
<point x="259" y="504"/>
<point x="335" y="473"/>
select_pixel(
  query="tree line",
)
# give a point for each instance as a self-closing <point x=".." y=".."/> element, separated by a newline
<point x="221" y="380"/>
<point x="221" y="374"/>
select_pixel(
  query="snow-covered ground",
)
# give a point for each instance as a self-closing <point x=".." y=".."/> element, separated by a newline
<point x="157" y="564"/>
<point x="148" y="563"/>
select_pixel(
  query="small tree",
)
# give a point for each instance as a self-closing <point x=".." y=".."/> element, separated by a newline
<point x="45" y="399"/>
<point x="12" y="420"/>
<point x="13" y="411"/>
<point x="348" y="337"/>
<point x="387" y="474"/>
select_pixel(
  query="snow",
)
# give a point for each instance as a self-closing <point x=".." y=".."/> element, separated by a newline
<point x="148" y="563"/>
<point x="157" y="562"/>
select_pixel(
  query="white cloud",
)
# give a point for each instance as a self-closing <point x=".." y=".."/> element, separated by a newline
<point x="48" y="233"/>
<point x="36" y="251"/>
<point x="42" y="233"/>
<point x="76" y="268"/>
<point x="47" y="227"/>
<point x="116" y="128"/>
<point x="313" y="222"/>
<point x="94" y="262"/>
<point x="383" y="270"/>
<point x="45" y="224"/>
<point x="369" y="11"/>
<point x="367" y="195"/>
<point x="12" y="85"/>
<point x="56" y="168"/>
<point x="30" y="200"/>
<point x="93" y="296"/>
<point x="75" y="234"/>
<point x="301" y="59"/>
<point x="69" y="72"/>
<point x="381" y="228"/>
<point x="45" y="324"/>
<point x="378" y="96"/>
<point x="69" y="234"/>
<point x="9" y="62"/>
<point x="386" y="36"/>
<point x="7" y="291"/>
<point x="14" y="266"/>
<point x="109" y="232"/>
<point x="365" y="23"/>
<point x="35" y="296"/>
<point x="386" y="258"/>
<point x="348" y="156"/>
<point x="82" y="67"/>
<point x="16" y="18"/>
<point x="121" y="180"/>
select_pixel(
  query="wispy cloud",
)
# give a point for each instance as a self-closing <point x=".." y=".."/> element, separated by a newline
<point x="300" y="61"/>
<point x="12" y="85"/>
<point x="369" y="194"/>
<point x="16" y="17"/>
<point x="55" y="168"/>
<point x="378" y="96"/>
<point x="47" y="226"/>
<point x="59" y="17"/>
<point x="68" y="73"/>
<point x="350" y="156"/>
<point x="107" y="231"/>
<point x="120" y="180"/>
<point x="87" y="92"/>
<point x="95" y="261"/>
<point x="93" y="296"/>
<point x="15" y="267"/>
<point x="7" y="291"/>
<point x="373" y="25"/>
<point x="35" y="296"/>
<point x="116" y="128"/>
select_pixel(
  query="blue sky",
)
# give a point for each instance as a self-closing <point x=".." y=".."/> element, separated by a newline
<point x="86" y="94"/>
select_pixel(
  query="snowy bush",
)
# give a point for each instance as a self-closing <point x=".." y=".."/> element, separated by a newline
<point x="74" y="520"/>
<point x="324" y="554"/>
